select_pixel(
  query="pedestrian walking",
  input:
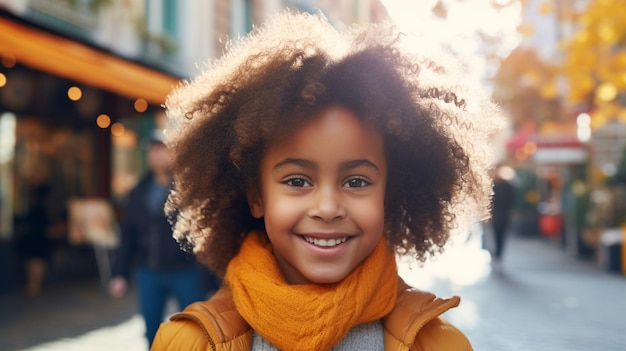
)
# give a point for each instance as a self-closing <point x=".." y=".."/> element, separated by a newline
<point x="147" y="244"/>
<point x="33" y="240"/>
<point x="503" y="201"/>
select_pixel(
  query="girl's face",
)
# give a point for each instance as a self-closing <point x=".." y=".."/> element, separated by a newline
<point x="322" y="194"/>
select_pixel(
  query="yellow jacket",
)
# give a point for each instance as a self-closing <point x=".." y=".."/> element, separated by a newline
<point x="413" y="325"/>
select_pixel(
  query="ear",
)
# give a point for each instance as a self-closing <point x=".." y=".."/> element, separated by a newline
<point x="255" y="203"/>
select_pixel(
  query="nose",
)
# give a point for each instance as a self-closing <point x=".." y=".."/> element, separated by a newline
<point x="327" y="204"/>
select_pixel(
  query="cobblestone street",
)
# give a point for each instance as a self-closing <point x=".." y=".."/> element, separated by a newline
<point x="542" y="299"/>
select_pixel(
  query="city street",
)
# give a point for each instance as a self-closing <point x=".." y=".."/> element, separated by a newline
<point x="106" y="107"/>
<point x="541" y="300"/>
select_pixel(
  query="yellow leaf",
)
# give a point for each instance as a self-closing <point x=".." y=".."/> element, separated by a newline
<point x="549" y="91"/>
<point x="598" y="119"/>
<point x="606" y="92"/>
<point x="546" y="8"/>
<point x="607" y="34"/>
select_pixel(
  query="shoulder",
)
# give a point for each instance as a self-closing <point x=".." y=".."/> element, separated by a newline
<point x="503" y="185"/>
<point x="144" y="181"/>
<point x="140" y="188"/>
<point x="416" y="322"/>
<point x="215" y="322"/>
<point x="438" y="334"/>
<point x="183" y="334"/>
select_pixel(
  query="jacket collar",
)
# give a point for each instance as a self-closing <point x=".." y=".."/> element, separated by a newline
<point x="225" y="328"/>
<point x="414" y="309"/>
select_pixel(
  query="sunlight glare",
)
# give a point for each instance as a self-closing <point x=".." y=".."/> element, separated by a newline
<point x="463" y="263"/>
<point x="461" y="30"/>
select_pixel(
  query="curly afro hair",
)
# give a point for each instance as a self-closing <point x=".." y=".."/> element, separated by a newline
<point x="436" y="129"/>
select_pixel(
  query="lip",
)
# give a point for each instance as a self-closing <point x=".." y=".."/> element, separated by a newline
<point x="326" y="235"/>
<point x="327" y="251"/>
<point x="326" y="242"/>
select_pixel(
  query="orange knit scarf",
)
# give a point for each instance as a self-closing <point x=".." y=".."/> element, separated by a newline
<point x="309" y="317"/>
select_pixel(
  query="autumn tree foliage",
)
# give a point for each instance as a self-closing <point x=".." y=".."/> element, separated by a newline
<point x="525" y="86"/>
<point x="594" y="63"/>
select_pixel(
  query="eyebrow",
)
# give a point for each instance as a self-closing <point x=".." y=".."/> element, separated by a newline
<point x="310" y="165"/>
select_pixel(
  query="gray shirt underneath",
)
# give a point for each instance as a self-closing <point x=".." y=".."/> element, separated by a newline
<point x="363" y="337"/>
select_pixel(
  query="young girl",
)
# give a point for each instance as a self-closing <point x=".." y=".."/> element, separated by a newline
<point x="305" y="159"/>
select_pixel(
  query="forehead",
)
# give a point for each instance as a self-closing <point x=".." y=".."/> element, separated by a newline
<point x="334" y="132"/>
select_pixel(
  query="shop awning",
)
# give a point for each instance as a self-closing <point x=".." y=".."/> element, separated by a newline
<point x="75" y="61"/>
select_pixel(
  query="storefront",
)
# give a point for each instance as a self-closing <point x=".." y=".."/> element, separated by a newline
<point x="72" y="117"/>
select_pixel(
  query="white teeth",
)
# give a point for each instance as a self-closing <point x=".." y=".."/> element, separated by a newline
<point x="324" y="242"/>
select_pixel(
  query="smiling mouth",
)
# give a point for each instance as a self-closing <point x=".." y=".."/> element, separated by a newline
<point x="325" y="242"/>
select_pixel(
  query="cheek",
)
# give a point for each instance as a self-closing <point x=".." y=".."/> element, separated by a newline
<point x="371" y="216"/>
<point x="280" y="211"/>
<point x="377" y="220"/>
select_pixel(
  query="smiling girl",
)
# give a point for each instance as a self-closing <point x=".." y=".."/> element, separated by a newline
<point x="305" y="161"/>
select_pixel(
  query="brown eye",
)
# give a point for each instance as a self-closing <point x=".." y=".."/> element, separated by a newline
<point x="297" y="182"/>
<point x="356" y="183"/>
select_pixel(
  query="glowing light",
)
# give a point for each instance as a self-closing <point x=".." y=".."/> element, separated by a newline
<point x="583" y="119"/>
<point x="7" y="136"/>
<point x="3" y="80"/>
<point x="103" y="121"/>
<point x="141" y="105"/>
<point x="74" y="93"/>
<point x="607" y="34"/>
<point x="606" y="92"/>
<point x="583" y="129"/>
<point x="117" y="129"/>
<point x="530" y="148"/>
<point x="506" y="172"/>
<point x="584" y="135"/>
<point x="128" y="140"/>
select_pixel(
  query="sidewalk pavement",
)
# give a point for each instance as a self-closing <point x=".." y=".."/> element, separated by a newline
<point x="70" y="315"/>
<point x="539" y="299"/>
<point x="542" y="300"/>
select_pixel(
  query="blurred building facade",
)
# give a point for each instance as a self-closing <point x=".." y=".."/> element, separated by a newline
<point x="82" y="83"/>
<point x="570" y="120"/>
<point x="549" y="155"/>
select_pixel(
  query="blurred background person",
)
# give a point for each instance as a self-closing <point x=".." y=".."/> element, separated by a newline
<point x="502" y="205"/>
<point x="34" y="245"/>
<point x="162" y="268"/>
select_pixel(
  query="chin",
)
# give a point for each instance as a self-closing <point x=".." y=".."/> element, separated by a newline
<point x="326" y="278"/>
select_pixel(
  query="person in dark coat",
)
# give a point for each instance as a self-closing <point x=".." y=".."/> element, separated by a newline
<point x="163" y="269"/>
<point x="502" y="205"/>
<point x="33" y="242"/>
